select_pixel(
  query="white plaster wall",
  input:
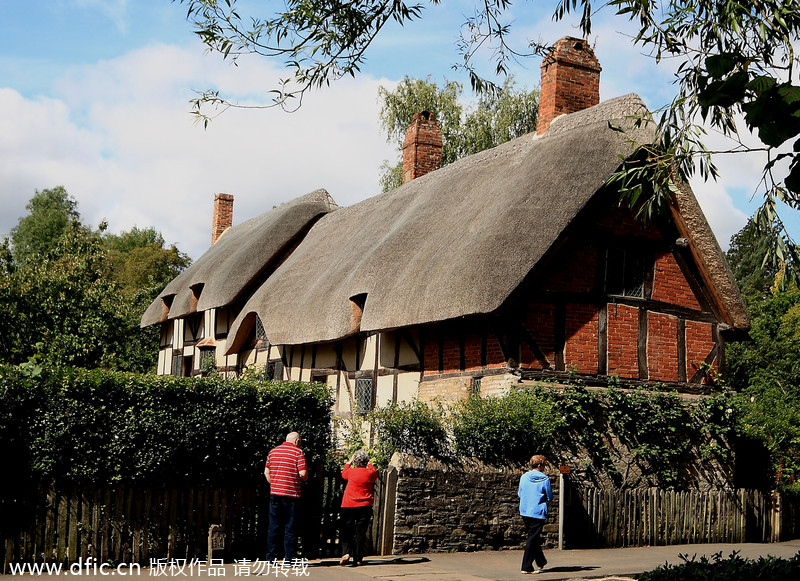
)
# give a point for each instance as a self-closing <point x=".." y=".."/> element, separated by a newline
<point x="407" y="386"/>
<point x="368" y="354"/>
<point x="326" y="357"/>
<point x="384" y="391"/>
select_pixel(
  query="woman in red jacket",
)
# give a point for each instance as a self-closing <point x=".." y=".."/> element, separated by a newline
<point x="357" y="507"/>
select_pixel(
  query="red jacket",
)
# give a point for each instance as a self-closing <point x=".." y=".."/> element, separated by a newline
<point x="360" y="484"/>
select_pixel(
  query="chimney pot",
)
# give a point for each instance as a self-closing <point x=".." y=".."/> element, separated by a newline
<point x="223" y="216"/>
<point x="570" y="81"/>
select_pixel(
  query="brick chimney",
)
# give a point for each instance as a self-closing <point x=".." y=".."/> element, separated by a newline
<point x="223" y="216"/>
<point x="570" y="81"/>
<point x="422" y="147"/>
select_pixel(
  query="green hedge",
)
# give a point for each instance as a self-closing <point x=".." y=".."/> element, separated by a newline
<point x="79" y="427"/>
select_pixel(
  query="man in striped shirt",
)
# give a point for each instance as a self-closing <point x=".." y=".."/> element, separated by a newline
<point x="285" y="470"/>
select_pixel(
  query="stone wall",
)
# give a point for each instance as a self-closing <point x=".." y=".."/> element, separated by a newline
<point x="460" y="507"/>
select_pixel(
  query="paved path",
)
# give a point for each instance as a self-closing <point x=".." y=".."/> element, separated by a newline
<point x="609" y="564"/>
<point x="505" y="565"/>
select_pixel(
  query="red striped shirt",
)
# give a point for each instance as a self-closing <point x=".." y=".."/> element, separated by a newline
<point x="284" y="464"/>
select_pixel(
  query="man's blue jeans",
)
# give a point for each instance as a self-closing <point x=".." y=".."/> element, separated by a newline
<point x="282" y="513"/>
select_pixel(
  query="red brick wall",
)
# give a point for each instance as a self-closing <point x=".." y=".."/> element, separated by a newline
<point x="472" y="351"/>
<point x="621" y="221"/>
<point x="699" y="342"/>
<point x="669" y="284"/>
<point x="581" y="346"/>
<point x="623" y="344"/>
<point x="662" y="347"/>
<point x="431" y="355"/>
<point x="494" y="353"/>
<point x="540" y="324"/>
<point x="449" y="341"/>
<point x="451" y="355"/>
<point x="577" y="271"/>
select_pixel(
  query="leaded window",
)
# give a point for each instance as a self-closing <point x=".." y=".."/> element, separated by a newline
<point x="363" y="395"/>
<point x="177" y="365"/>
<point x="261" y="334"/>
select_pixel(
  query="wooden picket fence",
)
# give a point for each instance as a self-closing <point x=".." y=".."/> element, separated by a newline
<point x="129" y="525"/>
<point x="650" y="516"/>
<point x="125" y="524"/>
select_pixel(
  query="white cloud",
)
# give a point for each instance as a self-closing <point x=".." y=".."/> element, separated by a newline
<point x="121" y="139"/>
<point x="119" y="136"/>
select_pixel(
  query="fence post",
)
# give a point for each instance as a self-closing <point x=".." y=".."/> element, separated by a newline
<point x="9" y="555"/>
<point x="563" y="471"/>
<point x="775" y="516"/>
<point x="386" y="540"/>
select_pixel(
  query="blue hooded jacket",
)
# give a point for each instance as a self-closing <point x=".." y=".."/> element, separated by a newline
<point x="534" y="494"/>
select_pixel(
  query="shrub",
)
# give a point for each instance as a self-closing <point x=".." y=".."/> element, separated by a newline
<point x="505" y="429"/>
<point x="734" y="568"/>
<point x="412" y="428"/>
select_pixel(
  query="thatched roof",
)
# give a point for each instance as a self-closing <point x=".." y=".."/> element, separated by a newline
<point x="239" y="256"/>
<point x="454" y="242"/>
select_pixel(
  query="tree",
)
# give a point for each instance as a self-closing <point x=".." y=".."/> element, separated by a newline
<point x="66" y="312"/>
<point x="49" y="215"/>
<point x="747" y="256"/>
<point x="766" y="373"/>
<point x="496" y="118"/>
<point x="79" y="302"/>
<point x="139" y="259"/>
<point x="736" y="70"/>
<point x="765" y="369"/>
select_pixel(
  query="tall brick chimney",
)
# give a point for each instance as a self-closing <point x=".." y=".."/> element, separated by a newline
<point x="223" y="216"/>
<point x="422" y="147"/>
<point x="570" y="81"/>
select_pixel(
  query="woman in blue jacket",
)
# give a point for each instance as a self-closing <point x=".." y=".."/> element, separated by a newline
<point x="534" y="494"/>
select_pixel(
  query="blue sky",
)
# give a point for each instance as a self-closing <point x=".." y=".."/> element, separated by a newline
<point x="94" y="96"/>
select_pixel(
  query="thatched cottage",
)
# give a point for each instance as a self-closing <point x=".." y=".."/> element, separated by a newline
<point x="515" y="262"/>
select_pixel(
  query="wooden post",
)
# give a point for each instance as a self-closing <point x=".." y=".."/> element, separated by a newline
<point x="775" y="516"/>
<point x="562" y="472"/>
<point x="561" y="511"/>
<point x="386" y="543"/>
<point x="9" y="556"/>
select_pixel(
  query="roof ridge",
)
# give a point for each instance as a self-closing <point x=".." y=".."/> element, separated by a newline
<point x="617" y="108"/>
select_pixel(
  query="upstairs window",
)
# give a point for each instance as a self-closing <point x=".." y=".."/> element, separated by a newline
<point x="626" y="271"/>
<point x="261" y="334"/>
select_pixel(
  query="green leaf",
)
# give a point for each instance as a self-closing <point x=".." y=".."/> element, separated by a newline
<point x="761" y="83"/>
<point x="790" y="93"/>
<point x="719" y="65"/>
